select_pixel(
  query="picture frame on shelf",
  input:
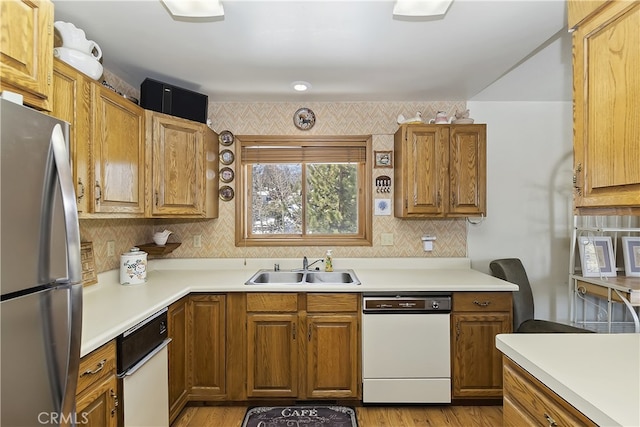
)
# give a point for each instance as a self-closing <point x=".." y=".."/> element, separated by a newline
<point x="631" y="253"/>
<point x="596" y="256"/>
<point x="384" y="159"/>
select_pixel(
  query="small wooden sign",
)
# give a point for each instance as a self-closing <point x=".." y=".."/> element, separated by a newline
<point x="89" y="276"/>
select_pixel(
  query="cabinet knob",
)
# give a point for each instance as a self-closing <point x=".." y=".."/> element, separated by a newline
<point x="551" y="421"/>
<point x="98" y="368"/>
<point x="482" y="304"/>
<point x="577" y="179"/>
<point x="80" y="189"/>
<point x="98" y="192"/>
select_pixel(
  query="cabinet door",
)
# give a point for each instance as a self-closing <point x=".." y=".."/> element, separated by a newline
<point x="98" y="405"/>
<point x="26" y="66"/>
<point x="72" y="103"/>
<point x="477" y="363"/>
<point x="607" y="107"/>
<point x="426" y="159"/>
<point x="119" y="153"/>
<point x="272" y="355"/>
<point x="177" y="165"/>
<point x="467" y="170"/>
<point x="207" y="340"/>
<point x="178" y="367"/>
<point x="332" y="356"/>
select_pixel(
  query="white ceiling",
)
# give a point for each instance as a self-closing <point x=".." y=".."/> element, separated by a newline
<point x="347" y="50"/>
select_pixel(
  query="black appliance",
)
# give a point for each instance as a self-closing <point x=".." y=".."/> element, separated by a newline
<point x="173" y="100"/>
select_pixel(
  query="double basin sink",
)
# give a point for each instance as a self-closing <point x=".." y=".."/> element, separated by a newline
<point x="304" y="277"/>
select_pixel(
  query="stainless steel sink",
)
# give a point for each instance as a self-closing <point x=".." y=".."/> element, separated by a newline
<point x="266" y="276"/>
<point x="337" y="277"/>
<point x="329" y="277"/>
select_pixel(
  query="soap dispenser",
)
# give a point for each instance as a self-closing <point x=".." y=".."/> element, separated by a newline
<point x="328" y="261"/>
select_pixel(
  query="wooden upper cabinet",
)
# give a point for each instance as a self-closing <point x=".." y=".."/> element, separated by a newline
<point x="26" y="50"/>
<point x="579" y="10"/>
<point x="440" y="171"/>
<point x="184" y="159"/>
<point x="72" y="103"/>
<point x="467" y="170"/>
<point x="606" y="60"/>
<point x="118" y="154"/>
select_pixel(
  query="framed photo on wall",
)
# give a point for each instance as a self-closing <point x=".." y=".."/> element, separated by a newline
<point x="384" y="159"/>
<point x="596" y="256"/>
<point x="631" y="252"/>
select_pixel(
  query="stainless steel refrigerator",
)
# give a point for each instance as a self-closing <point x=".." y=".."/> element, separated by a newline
<point x="41" y="273"/>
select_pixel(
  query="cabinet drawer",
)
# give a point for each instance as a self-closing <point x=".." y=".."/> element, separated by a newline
<point x="529" y="398"/>
<point x="272" y="302"/>
<point x="482" y="301"/>
<point x="96" y="365"/>
<point x="332" y="302"/>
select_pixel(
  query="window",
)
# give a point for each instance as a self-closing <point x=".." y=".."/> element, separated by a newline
<point x="304" y="191"/>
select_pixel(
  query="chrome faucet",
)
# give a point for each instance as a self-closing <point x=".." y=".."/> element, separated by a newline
<point x="306" y="265"/>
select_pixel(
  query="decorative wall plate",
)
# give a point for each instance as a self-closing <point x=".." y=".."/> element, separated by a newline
<point x="226" y="193"/>
<point x="226" y="174"/>
<point x="226" y="157"/>
<point x="304" y="119"/>
<point x="226" y="138"/>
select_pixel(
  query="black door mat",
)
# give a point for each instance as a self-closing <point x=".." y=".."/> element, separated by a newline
<point x="300" y="416"/>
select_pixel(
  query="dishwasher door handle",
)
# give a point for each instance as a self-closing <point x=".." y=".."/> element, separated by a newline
<point x="132" y="370"/>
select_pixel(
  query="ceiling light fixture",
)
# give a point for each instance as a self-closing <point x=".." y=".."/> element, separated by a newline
<point x="301" y="86"/>
<point x="421" y="7"/>
<point x="194" y="8"/>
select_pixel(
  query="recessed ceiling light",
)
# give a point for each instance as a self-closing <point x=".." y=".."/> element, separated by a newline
<point x="301" y="86"/>
<point x="195" y="8"/>
<point x="421" y="7"/>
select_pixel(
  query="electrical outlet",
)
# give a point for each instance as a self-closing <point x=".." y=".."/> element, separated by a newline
<point x="197" y="241"/>
<point x="111" y="248"/>
<point x="386" y="239"/>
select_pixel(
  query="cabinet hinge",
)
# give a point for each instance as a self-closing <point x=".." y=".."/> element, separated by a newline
<point x="49" y="78"/>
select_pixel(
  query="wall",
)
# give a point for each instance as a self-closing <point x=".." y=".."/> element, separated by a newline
<point x="529" y="173"/>
<point x="529" y="190"/>
<point x="378" y="119"/>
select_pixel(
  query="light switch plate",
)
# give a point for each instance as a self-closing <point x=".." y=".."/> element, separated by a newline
<point x="386" y="239"/>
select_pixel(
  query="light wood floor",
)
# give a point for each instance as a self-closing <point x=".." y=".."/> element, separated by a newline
<point x="412" y="416"/>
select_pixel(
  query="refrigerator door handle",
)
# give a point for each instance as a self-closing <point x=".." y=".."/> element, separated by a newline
<point x="65" y="178"/>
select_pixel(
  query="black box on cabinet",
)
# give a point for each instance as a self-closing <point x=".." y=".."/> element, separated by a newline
<point x="173" y="100"/>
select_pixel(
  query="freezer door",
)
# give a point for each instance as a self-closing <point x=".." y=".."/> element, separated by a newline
<point x="38" y="213"/>
<point x="34" y="358"/>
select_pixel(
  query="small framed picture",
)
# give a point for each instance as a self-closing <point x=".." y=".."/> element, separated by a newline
<point x="631" y="252"/>
<point x="596" y="256"/>
<point x="382" y="207"/>
<point x="384" y="159"/>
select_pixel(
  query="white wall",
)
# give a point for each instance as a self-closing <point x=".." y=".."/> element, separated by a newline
<point x="529" y="174"/>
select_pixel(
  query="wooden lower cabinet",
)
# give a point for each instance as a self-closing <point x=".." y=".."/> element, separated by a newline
<point x="303" y="346"/>
<point x="332" y="356"/>
<point x="272" y="354"/>
<point x="476" y="363"/>
<point x="206" y="333"/>
<point x="177" y="316"/>
<point x="529" y="402"/>
<point x="97" y="401"/>
<point x="98" y="405"/>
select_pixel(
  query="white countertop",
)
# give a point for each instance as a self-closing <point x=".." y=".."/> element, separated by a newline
<point x="110" y="308"/>
<point x="599" y="374"/>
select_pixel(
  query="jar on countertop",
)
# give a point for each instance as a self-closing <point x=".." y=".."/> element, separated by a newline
<point x="133" y="267"/>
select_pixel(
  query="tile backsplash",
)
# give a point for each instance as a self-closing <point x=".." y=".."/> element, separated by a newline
<point x="332" y="118"/>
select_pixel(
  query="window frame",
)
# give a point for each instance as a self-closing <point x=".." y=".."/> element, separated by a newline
<point x="365" y="215"/>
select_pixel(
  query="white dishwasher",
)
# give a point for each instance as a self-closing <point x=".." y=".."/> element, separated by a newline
<point x="143" y="368"/>
<point x="406" y="348"/>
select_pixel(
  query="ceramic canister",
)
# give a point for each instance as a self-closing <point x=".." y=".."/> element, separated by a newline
<point x="133" y="267"/>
